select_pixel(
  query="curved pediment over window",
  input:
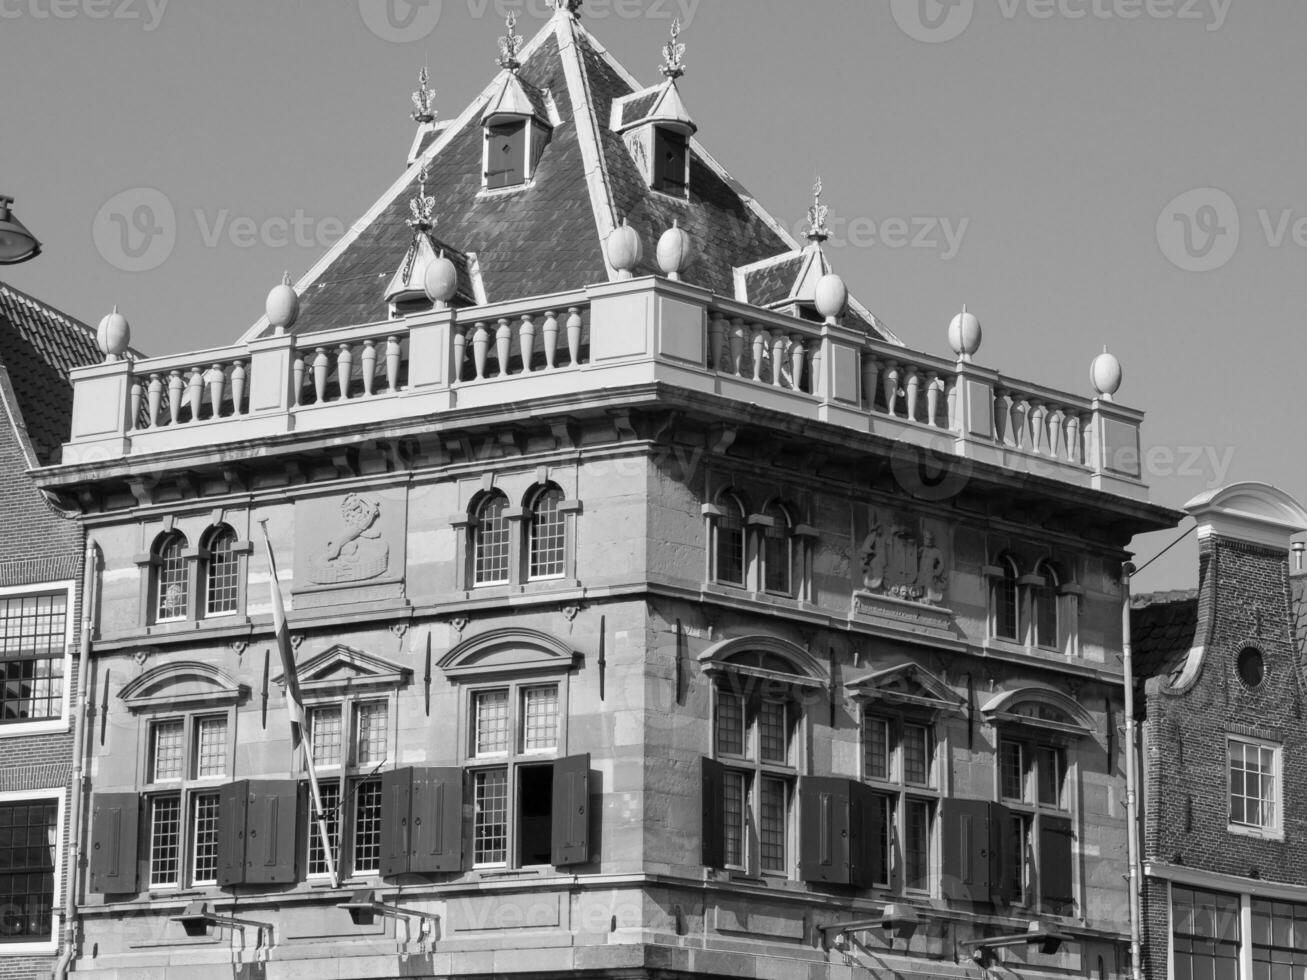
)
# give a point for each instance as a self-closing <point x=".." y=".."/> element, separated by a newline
<point x="182" y="685"/>
<point x="766" y="657"/>
<point x="907" y="685"/>
<point x="342" y="669"/>
<point x="1039" y="707"/>
<point x="510" y="651"/>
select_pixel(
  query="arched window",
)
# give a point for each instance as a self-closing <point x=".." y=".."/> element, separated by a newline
<point x="221" y="573"/>
<point x="728" y="546"/>
<point x="1043" y="605"/>
<point x="1004" y="602"/>
<point x="778" y="551"/>
<point x="491" y="542"/>
<point x="172" y="579"/>
<point x="547" y="556"/>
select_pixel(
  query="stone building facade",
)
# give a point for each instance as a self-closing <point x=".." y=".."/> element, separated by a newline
<point x="654" y="616"/>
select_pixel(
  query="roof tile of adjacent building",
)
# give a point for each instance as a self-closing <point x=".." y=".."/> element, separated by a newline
<point x="1162" y="631"/>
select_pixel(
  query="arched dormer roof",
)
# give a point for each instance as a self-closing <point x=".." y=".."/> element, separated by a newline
<point x="1254" y="512"/>
<point x="512" y="650"/>
<point x="343" y="669"/>
<point x="765" y="657"/>
<point x="187" y="684"/>
<point x="1039" y="706"/>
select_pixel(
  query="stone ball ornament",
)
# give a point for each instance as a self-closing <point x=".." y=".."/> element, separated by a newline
<point x="625" y="250"/>
<point x="965" y="335"/>
<point x="114" y="335"/>
<point x="832" y="297"/>
<point x="283" y="306"/>
<point x="1106" y="375"/>
<point x="440" y="280"/>
<point x="674" y="251"/>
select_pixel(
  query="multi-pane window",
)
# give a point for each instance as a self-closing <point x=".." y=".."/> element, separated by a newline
<point x="1279" y="940"/>
<point x="33" y="645"/>
<point x="350" y="742"/>
<point x="1043" y="606"/>
<point x="1003" y="602"/>
<point x="1206" y="935"/>
<point x="171" y="579"/>
<point x="899" y="763"/>
<point x="492" y="542"/>
<point x="728" y="545"/>
<point x="1034" y="826"/>
<point x="187" y="758"/>
<point x="1036" y="610"/>
<point x="755" y="742"/>
<point x="222" y="573"/>
<point x="778" y="551"/>
<point x="1254" y="774"/>
<point x="28" y="842"/>
<point x="548" y="535"/>
<point x="515" y="730"/>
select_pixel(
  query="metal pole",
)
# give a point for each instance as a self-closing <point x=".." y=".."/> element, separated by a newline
<point x="1131" y="778"/>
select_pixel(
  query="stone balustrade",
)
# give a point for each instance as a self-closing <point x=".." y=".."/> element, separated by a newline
<point x="599" y="340"/>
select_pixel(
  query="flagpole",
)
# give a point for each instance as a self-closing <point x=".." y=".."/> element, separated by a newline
<point x="296" y="705"/>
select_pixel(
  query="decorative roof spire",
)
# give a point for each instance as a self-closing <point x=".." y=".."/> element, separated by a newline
<point x="573" y="7"/>
<point x="674" y="53"/>
<point x="423" y="206"/>
<point x="817" y="215"/>
<point x="423" y="100"/>
<point x="510" y="45"/>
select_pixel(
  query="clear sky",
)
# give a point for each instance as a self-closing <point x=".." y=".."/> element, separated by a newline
<point x="1079" y="172"/>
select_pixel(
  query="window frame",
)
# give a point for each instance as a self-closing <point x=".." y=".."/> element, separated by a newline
<point x="62" y="721"/>
<point x="239" y="552"/>
<point x="659" y="176"/>
<point x="754" y="536"/>
<point x="1274" y="831"/>
<point x="535" y="498"/>
<point x="519" y="544"/>
<point x="898" y="794"/>
<point x="60" y="796"/>
<point x="1005" y="575"/>
<point x="1029" y="808"/>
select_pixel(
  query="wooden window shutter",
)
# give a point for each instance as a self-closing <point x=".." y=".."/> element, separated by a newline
<point x="671" y="151"/>
<point x="272" y="820"/>
<point x="1007" y="857"/>
<point x="396" y="795"/>
<point x="1055" y="865"/>
<point x="824" y="830"/>
<point x="967" y="865"/>
<point x="115" y="825"/>
<point x="506" y="156"/>
<point x="571" y="814"/>
<point x="436" y="821"/>
<point x="232" y="812"/>
<point x="712" y="828"/>
<point x="867" y="817"/>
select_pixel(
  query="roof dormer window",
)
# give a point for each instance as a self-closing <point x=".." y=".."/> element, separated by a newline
<point x="657" y="127"/>
<point x="517" y="122"/>
<point x="671" y="161"/>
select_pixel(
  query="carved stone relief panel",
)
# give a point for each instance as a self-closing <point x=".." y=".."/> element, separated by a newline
<point x="349" y="542"/>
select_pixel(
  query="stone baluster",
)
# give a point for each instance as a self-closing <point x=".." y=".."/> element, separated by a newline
<point x="1020" y="421"/>
<point x="176" y="387"/>
<point x="1072" y="432"/>
<point x="238" y="379"/>
<point x="890" y="383"/>
<point x="716" y="342"/>
<point x="154" y="399"/>
<point x="574" y="323"/>
<point x="195" y="393"/>
<point x="480" y="347"/>
<point x="393" y="352"/>
<point x="738" y="335"/>
<point x="1038" y="428"/>
<point x="298" y="371"/>
<point x="321" y="368"/>
<point x="216" y="379"/>
<point x="934" y="389"/>
<point x="798" y="355"/>
<point x="759" y="345"/>
<point x="1002" y="417"/>
<point x="527" y="335"/>
<point x="551" y="339"/>
<point x="460" y="352"/>
<point x="138" y="395"/>
<point x="870" y="379"/>
<point x="344" y="369"/>
<point x="954" y="409"/>
<point x="778" y="341"/>
<point x="1086" y="441"/>
<point x="1056" y="443"/>
<point x="368" y="367"/>
<point x="503" y="346"/>
<point x="913" y="388"/>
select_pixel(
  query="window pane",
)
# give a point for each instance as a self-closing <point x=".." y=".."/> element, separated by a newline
<point x="33" y="637"/>
<point x="773" y="732"/>
<point x="165" y="840"/>
<point x="171" y="581"/>
<point x="540" y="719"/>
<point x="211" y="747"/>
<point x="1253" y="791"/>
<point x="204" y="839"/>
<point x="734" y="806"/>
<point x="778" y="553"/>
<point x="1003" y="599"/>
<point x="490" y="833"/>
<point x="876" y="747"/>
<point x="730" y="724"/>
<point x="491" y="543"/>
<point x="730" y="544"/>
<point x="916" y="847"/>
<point x="367" y="827"/>
<point x="916" y="755"/>
<point x="490" y="722"/>
<point x="1207" y="935"/>
<point x="330" y="793"/>
<point x="771" y="831"/>
<point x="548" y="536"/>
<point x="27" y="852"/>
<point x="1012" y="771"/>
<point x="325" y="735"/>
<point x="1051" y="768"/>
<point x="1044" y="599"/>
<point x="372" y="719"/>
<point x="223" y="578"/>
<point x="168" y="752"/>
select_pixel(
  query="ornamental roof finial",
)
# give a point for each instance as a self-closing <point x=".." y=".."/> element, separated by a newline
<point x="817" y="215"/>
<point x="673" y="65"/>
<point x="423" y="207"/>
<point x="510" y="45"/>
<point x="573" y="7"/>
<point x="423" y="100"/>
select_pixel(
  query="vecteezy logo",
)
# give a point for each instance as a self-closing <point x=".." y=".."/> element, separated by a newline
<point x="400" y="21"/>
<point x="1199" y="230"/>
<point x="933" y="21"/>
<point x="136" y="230"/>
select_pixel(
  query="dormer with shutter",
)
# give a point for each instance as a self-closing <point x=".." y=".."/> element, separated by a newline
<point x="657" y="127"/>
<point x="518" y="122"/>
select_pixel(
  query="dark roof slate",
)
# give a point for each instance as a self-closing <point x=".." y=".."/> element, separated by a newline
<point x="635" y="109"/>
<point x="1162" y="627"/>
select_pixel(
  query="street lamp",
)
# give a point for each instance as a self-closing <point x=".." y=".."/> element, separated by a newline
<point x="17" y="244"/>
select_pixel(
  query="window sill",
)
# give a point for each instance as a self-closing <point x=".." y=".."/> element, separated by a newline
<point x="1258" y="833"/>
<point x="19" y="729"/>
<point x="41" y="948"/>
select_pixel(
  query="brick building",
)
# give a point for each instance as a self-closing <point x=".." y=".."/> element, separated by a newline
<point x="41" y="567"/>
<point x="657" y="612"/>
<point x="1225" y="750"/>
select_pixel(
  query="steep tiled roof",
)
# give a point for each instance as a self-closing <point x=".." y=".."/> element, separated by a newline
<point x="548" y="236"/>
<point x="1162" y="627"/>
<point x="1298" y="586"/>
<point x="637" y="108"/>
<point x="772" y="283"/>
<point x="38" y="347"/>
